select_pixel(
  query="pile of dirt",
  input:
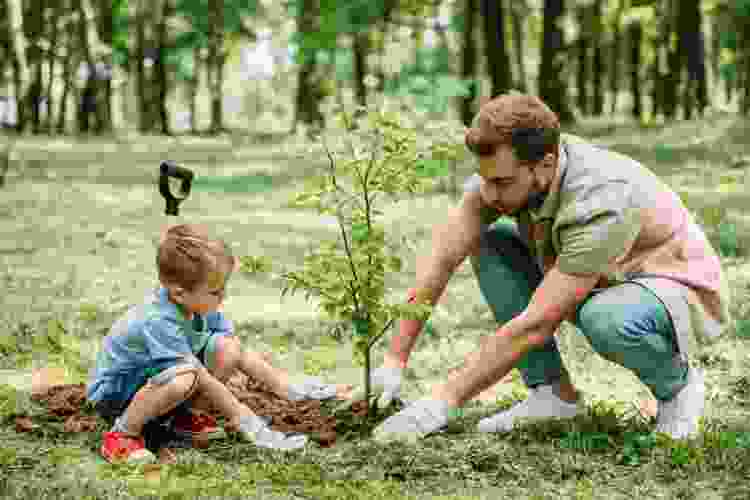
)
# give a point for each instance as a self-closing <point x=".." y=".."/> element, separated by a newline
<point x="68" y="402"/>
<point x="288" y="416"/>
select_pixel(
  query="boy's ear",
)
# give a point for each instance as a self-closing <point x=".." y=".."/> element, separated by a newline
<point x="177" y="293"/>
<point x="237" y="264"/>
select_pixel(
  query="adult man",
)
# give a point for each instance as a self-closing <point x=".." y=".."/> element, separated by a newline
<point x="598" y="240"/>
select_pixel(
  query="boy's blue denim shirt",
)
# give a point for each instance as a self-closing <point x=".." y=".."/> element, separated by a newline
<point x="148" y="338"/>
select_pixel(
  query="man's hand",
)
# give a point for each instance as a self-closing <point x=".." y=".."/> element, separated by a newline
<point x="385" y="385"/>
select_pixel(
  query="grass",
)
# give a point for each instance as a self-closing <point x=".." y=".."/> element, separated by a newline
<point x="78" y="251"/>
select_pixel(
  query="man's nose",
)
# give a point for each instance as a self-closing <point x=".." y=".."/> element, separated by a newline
<point x="491" y="194"/>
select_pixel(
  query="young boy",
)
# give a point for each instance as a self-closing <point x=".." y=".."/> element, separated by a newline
<point x="172" y="355"/>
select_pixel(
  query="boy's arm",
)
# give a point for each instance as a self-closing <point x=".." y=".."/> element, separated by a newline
<point x="165" y="343"/>
<point x="217" y="322"/>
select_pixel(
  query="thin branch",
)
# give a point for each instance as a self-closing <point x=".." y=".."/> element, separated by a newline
<point x="341" y="226"/>
<point x="377" y="337"/>
<point x="292" y="277"/>
<point x="368" y="206"/>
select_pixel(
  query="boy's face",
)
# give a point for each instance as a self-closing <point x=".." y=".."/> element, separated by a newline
<point x="205" y="298"/>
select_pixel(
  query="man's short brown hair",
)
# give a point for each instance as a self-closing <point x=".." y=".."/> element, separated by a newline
<point x="187" y="254"/>
<point x="493" y="126"/>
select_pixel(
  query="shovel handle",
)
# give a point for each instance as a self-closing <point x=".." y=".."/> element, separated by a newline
<point x="169" y="169"/>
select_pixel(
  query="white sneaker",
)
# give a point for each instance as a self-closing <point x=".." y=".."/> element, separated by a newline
<point x="541" y="404"/>
<point x="679" y="416"/>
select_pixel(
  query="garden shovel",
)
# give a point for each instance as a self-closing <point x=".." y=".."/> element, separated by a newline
<point x="170" y="171"/>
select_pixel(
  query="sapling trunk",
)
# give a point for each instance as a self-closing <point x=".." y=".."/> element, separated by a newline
<point x="370" y="407"/>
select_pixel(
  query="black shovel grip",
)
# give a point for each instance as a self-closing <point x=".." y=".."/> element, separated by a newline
<point x="169" y="169"/>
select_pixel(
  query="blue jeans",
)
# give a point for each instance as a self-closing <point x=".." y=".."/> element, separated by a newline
<point x="625" y="324"/>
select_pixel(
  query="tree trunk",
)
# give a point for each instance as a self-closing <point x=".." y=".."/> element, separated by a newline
<point x="216" y="63"/>
<point x="744" y="66"/>
<point x="715" y="49"/>
<point x="34" y="28"/>
<point x="91" y="104"/>
<point x="139" y="59"/>
<point x="582" y="66"/>
<point x="194" y="87"/>
<point x="694" y="51"/>
<point x="551" y="83"/>
<point x="389" y="6"/>
<point x="22" y="77"/>
<point x="35" y="94"/>
<point x="672" y="78"/>
<point x="57" y="25"/>
<point x="498" y="62"/>
<point x="161" y="79"/>
<point x="469" y="61"/>
<point x="518" y="10"/>
<point x="106" y="36"/>
<point x="615" y="56"/>
<point x="635" y="31"/>
<point x="597" y="69"/>
<point x="656" y="99"/>
<point x="360" y="46"/>
<point x="306" y="104"/>
<point x="69" y="64"/>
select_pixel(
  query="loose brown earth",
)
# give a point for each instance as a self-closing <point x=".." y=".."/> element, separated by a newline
<point x="67" y="402"/>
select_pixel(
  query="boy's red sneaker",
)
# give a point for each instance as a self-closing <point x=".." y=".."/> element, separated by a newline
<point x="118" y="447"/>
<point x="191" y="425"/>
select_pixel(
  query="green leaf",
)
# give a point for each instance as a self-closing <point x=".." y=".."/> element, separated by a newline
<point x="430" y="168"/>
<point x="447" y="86"/>
<point x="360" y="232"/>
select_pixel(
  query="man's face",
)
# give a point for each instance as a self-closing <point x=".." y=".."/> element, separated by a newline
<point x="508" y="182"/>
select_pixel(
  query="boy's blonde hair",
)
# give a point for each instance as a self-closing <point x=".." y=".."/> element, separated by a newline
<point x="187" y="254"/>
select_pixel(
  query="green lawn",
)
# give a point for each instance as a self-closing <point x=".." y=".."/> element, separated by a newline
<point x="79" y="225"/>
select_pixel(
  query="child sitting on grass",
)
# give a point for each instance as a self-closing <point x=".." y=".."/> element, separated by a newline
<point x="170" y="357"/>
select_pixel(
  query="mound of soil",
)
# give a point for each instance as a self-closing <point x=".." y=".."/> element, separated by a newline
<point x="288" y="416"/>
<point x="68" y="402"/>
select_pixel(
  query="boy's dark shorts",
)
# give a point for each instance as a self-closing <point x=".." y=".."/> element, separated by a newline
<point x="110" y="410"/>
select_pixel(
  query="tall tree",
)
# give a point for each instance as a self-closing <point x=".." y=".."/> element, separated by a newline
<point x="70" y="61"/>
<point x="96" y="62"/>
<point x="597" y="67"/>
<point x="519" y="9"/>
<point x="106" y="38"/>
<point x="306" y="106"/>
<point x="360" y="48"/>
<point x="138" y="56"/>
<point x="660" y="42"/>
<point x="635" y="32"/>
<point x="495" y="50"/>
<point x="389" y="7"/>
<point x="161" y="80"/>
<point x="582" y="75"/>
<point x="672" y="79"/>
<point x="694" y="53"/>
<point x="552" y="88"/>
<point x="34" y="15"/>
<point x="216" y="63"/>
<point x="22" y="77"/>
<point x="469" y="61"/>
<point x="616" y="55"/>
<point x="56" y="22"/>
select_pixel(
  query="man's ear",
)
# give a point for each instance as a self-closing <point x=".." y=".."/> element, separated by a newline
<point x="549" y="160"/>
